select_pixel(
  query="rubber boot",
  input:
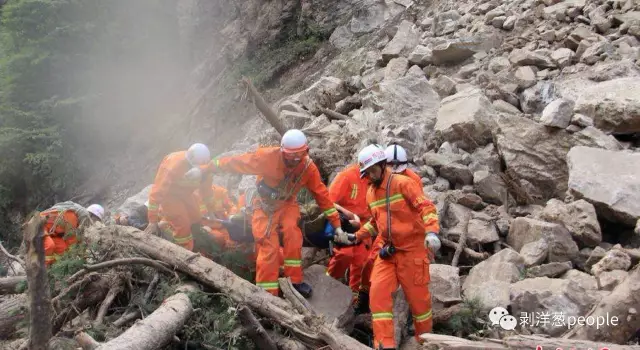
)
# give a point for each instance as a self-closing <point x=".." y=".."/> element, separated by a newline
<point x="362" y="306"/>
<point x="304" y="289"/>
<point x="411" y="331"/>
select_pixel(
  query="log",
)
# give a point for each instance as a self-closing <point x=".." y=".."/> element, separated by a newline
<point x="134" y="314"/>
<point x="254" y="329"/>
<point x="159" y="328"/>
<point x="333" y="115"/>
<point x="265" y="109"/>
<point x="9" y="285"/>
<point x="220" y="278"/>
<point x="92" y="294"/>
<point x="6" y="253"/>
<point x="38" y="286"/>
<point x="467" y="251"/>
<point x="285" y="343"/>
<point x="462" y="242"/>
<point x="117" y="262"/>
<point x="13" y="311"/>
<point x="445" y="342"/>
<point x="113" y="292"/>
<point x="623" y="304"/>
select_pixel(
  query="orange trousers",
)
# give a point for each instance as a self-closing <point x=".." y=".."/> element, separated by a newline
<point x="266" y="235"/>
<point x="55" y="246"/>
<point x="180" y="214"/>
<point x="351" y="257"/>
<point x="410" y="270"/>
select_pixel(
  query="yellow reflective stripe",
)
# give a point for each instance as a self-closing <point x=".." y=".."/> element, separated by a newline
<point x="203" y="208"/>
<point x="370" y="228"/>
<point x="181" y="240"/>
<point x="380" y="316"/>
<point x="330" y="211"/>
<point x="268" y="285"/>
<point x="393" y="199"/>
<point x="354" y="191"/>
<point x="292" y="262"/>
<point x="430" y="216"/>
<point x="49" y="258"/>
<point x="153" y="206"/>
<point x="423" y="317"/>
<point x="216" y="162"/>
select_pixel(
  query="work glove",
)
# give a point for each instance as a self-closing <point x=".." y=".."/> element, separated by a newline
<point x="152" y="229"/>
<point x="194" y="174"/>
<point x="343" y="237"/>
<point x="432" y="242"/>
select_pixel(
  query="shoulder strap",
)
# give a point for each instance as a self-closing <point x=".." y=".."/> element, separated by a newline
<point x="291" y="189"/>
<point x="388" y="199"/>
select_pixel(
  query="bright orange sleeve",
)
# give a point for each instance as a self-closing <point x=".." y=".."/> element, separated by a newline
<point x="313" y="182"/>
<point x="250" y="163"/>
<point x="160" y="188"/>
<point x="206" y="193"/>
<point x="337" y="188"/>
<point x="414" y="196"/>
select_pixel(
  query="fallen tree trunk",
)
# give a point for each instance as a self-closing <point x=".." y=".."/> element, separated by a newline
<point x="333" y="115"/>
<point x="12" y="311"/>
<point x="467" y="251"/>
<point x="445" y="342"/>
<point x="92" y="294"/>
<point x="264" y="108"/>
<point x="220" y="278"/>
<point x="39" y="298"/>
<point x="254" y="329"/>
<point x="159" y="328"/>
<point x="623" y="304"/>
<point x="9" y="285"/>
<point x="286" y="343"/>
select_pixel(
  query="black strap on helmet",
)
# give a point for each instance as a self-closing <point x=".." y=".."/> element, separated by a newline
<point x="395" y="156"/>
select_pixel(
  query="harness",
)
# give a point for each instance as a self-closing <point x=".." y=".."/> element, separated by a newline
<point x="388" y="199"/>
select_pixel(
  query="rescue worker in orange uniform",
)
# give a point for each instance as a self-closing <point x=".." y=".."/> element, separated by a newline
<point x="397" y="158"/>
<point x="223" y="207"/>
<point x="281" y="173"/>
<point x="348" y="191"/>
<point x="61" y="224"/>
<point x="406" y="224"/>
<point x="179" y="176"/>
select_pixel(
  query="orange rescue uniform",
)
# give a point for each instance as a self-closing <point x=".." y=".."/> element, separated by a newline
<point x="174" y="193"/>
<point x="61" y="222"/>
<point x="281" y="216"/>
<point x="365" y="283"/>
<point x="350" y="191"/>
<point x="412" y="215"/>
<point x="223" y="207"/>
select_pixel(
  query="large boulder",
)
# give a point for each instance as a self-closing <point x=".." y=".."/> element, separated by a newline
<point x="578" y="217"/>
<point x="615" y="259"/>
<point x="322" y="94"/>
<point x="609" y="180"/>
<point x="135" y="205"/>
<point x="489" y="281"/>
<point x="444" y="285"/>
<point x="466" y="119"/>
<point x="405" y="111"/>
<point x="451" y="52"/>
<point x="331" y="298"/>
<point x="549" y="296"/>
<point x="537" y="154"/>
<point x="490" y="187"/>
<point x="403" y="43"/>
<point x="525" y="230"/>
<point x="614" y="105"/>
<point x="481" y="229"/>
<point x="585" y="280"/>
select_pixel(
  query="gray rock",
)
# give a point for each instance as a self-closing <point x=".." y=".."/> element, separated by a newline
<point x="490" y="187"/>
<point x="584" y="280"/>
<point x="581" y="120"/>
<point x="452" y="52"/>
<point x="134" y="206"/>
<point x="595" y="52"/>
<point x="341" y="37"/>
<point x="295" y="120"/>
<point x="505" y="107"/>
<point x="498" y="22"/>
<point x="441" y="184"/>
<point x="521" y="57"/>
<point x="578" y="217"/>
<point x="457" y="174"/>
<point x="558" y="113"/>
<point x="467" y="114"/>
<point x="609" y="280"/>
<point x="321" y="94"/>
<point x="415" y="72"/>
<point x="444" y="286"/>
<point x="485" y="158"/>
<point x="488" y="280"/>
<point x="561" y="245"/>
<point x="563" y="57"/>
<point x="498" y="64"/>
<point x="596" y="255"/>
<point x="421" y="56"/>
<point x="405" y="40"/>
<point x="445" y="23"/>
<point x="396" y="68"/>
<point x="597" y="138"/>
<point x="614" y="105"/>
<point x="330" y="297"/>
<point x="551" y="296"/>
<point x="534" y="99"/>
<point x="615" y="259"/>
<point x="613" y="70"/>
<point x="558" y="10"/>
<point x="444" y="86"/>
<point x="481" y="231"/>
<point x="509" y="23"/>
<point x="549" y="270"/>
<point x="456" y="219"/>
<point x="525" y="76"/>
<point x="469" y="199"/>
<point x="535" y="253"/>
<point x="607" y="179"/>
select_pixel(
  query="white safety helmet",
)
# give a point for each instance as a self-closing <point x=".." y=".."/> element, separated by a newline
<point x="97" y="210"/>
<point x="198" y="154"/>
<point x="146" y="204"/>
<point x="397" y="156"/>
<point x="293" y="141"/>
<point x="369" y="156"/>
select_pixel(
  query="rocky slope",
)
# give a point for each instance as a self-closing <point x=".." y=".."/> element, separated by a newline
<point x="521" y="118"/>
